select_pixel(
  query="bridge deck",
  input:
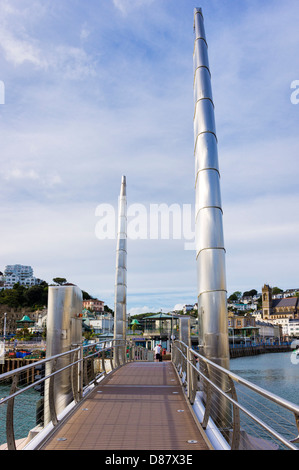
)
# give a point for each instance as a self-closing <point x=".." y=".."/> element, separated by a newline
<point x="137" y="407"/>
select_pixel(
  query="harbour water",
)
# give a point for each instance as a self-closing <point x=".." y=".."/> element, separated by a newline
<point x="24" y="413"/>
<point x="275" y="372"/>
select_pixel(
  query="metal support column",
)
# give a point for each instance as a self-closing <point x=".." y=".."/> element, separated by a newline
<point x="120" y="312"/>
<point x="210" y="251"/>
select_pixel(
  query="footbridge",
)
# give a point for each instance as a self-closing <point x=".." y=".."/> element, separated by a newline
<point x="114" y="396"/>
<point x="111" y="394"/>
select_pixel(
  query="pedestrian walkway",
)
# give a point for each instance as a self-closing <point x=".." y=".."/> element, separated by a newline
<point x="140" y="406"/>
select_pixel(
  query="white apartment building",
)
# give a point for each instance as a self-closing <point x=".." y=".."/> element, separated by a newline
<point x="19" y="270"/>
<point x="18" y="273"/>
<point x="290" y="327"/>
<point x="294" y="328"/>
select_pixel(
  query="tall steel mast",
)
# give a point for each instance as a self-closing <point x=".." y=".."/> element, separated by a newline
<point x="120" y="303"/>
<point x="210" y="251"/>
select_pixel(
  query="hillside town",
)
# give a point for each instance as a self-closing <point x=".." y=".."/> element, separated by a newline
<point x="270" y="316"/>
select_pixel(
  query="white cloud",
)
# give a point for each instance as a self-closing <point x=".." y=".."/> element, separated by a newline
<point x="17" y="174"/>
<point x="87" y="105"/>
<point x="85" y="32"/>
<point x="19" y="51"/>
<point x="22" y="45"/>
<point x="72" y="62"/>
<point x="139" y="310"/>
<point x="179" y="306"/>
<point x="125" y="5"/>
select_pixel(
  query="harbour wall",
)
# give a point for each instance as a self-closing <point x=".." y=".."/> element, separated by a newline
<point x="27" y="376"/>
<point x="260" y="349"/>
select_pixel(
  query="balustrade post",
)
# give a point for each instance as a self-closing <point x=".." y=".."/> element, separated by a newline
<point x="51" y="396"/>
<point x="80" y="372"/>
<point x="103" y="353"/>
<point x="10" y="435"/>
<point x="296" y="441"/>
<point x="235" y="444"/>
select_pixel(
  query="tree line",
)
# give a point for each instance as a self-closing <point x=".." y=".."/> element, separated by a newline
<point x="35" y="297"/>
<point x="237" y="296"/>
<point x="21" y="296"/>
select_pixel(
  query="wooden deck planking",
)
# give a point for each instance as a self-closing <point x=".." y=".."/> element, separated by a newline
<point x="137" y="407"/>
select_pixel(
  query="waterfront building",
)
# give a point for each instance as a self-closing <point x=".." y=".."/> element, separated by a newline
<point x="269" y="332"/>
<point x="103" y="324"/>
<point x="188" y="308"/>
<point x="160" y="327"/>
<point x="242" y="328"/>
<point x="290" y="326"/>
<point x="293" y="328"/>
<point x="273" y="309"/>
<point x="94" y="305"/>
<point x="247" y="329"/>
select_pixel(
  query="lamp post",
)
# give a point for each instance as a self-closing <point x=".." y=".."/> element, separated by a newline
<point x="4" y="329"/>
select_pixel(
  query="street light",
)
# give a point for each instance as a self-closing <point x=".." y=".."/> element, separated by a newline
<point x="4" y="330"/>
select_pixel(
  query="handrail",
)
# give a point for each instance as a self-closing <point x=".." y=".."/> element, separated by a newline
<point x="190" y="363"/>
<point x="7" y="375"/>
<point x="81" y="362"/>
<point x="197" y="373"/>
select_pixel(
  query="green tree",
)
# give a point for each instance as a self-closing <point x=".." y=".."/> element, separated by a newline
<point x="250" y="293"/>
<point x="108" y="309"/>
<point x="59" y="280"/>
<point x="13" y="297"/>
<point x="36" y="296"/>
<point x="86" y="295"/>
<point x="276" y="290"/>
<point x="235" y="296"/>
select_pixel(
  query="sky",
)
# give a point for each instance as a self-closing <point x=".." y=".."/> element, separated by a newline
<point x="94" y="90"/>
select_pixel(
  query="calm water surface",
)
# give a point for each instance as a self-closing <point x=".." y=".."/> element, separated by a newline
<point x="24" y="413"/>
<point x="274" y="372"/>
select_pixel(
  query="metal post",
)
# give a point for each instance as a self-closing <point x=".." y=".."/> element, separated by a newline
<point x="4" y="329"/>
<point x="210" y="251"/>
<point x="120" y="312"/>
<point x="64" y="328"/>
<point x="185" y="331"/>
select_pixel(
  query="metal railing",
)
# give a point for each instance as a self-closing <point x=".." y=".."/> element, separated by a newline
<point x="246" y="416"/>
<point x="35" y="397"/>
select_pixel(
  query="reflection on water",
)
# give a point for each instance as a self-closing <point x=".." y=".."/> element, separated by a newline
<point x="24" y="413"/>
<point x="274" y="372"/>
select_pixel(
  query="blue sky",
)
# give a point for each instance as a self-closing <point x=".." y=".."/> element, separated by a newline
<point x="102" y="88"/>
